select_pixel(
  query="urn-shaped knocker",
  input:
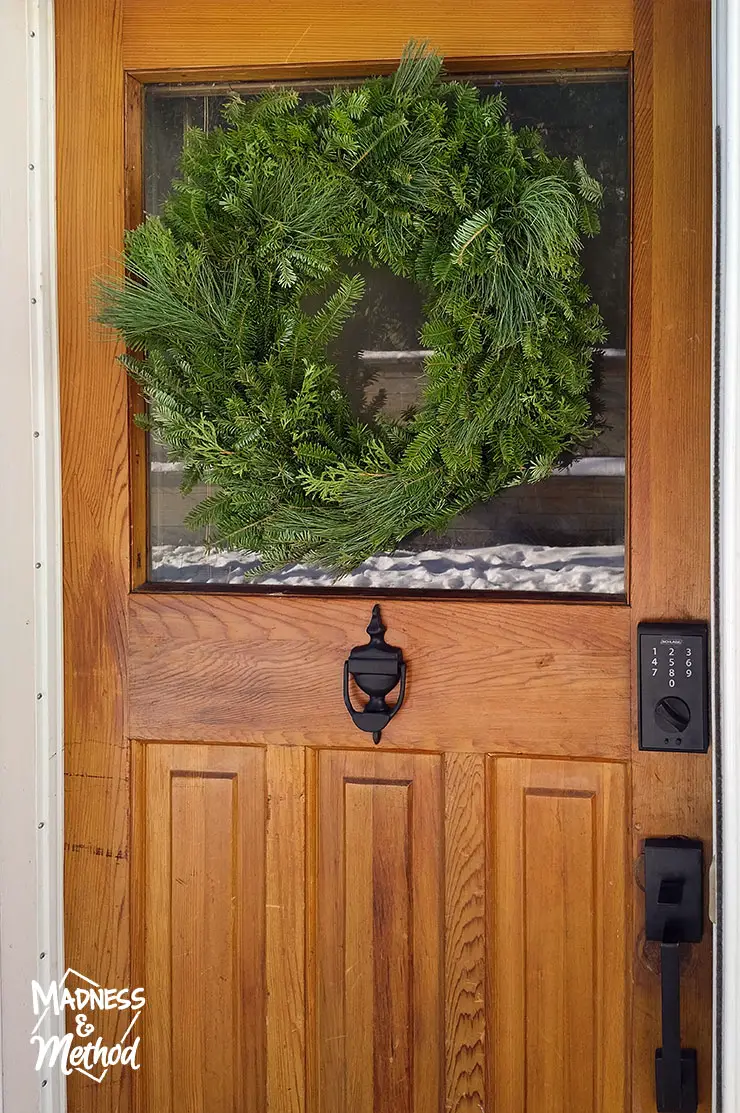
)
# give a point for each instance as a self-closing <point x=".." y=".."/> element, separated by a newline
<point x="376" y="669"/>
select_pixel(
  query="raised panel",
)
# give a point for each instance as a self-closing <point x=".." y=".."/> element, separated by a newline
<point x="220" y="927"/>
<point x="560" y="915"/>
<point x="199" y="841"/>
<point x="380" y="933"/>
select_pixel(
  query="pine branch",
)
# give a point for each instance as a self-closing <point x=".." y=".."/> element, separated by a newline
<point x="413" y="172"/>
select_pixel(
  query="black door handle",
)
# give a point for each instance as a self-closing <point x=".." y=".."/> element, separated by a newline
<point x="675" y="1067"/>
<point x="673" y="915"/>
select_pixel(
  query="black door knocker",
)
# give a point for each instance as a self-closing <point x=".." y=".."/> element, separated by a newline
<point x="376" y="669"/>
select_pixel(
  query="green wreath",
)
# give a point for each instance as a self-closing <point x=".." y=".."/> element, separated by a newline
<point x="412" y="172"/>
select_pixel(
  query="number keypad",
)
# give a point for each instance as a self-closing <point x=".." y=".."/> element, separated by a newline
<point x="673" y="686"/>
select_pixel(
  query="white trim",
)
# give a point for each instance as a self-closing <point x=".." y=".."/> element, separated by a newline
<point x="727" y="119"/>
<point x="31" y="762"/>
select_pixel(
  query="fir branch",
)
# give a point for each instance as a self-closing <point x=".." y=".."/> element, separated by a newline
<point x="413" y="172"/>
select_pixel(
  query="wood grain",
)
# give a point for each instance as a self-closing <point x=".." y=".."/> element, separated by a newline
<point x="359" y="944"/>
<point x="285" y="880"/>
<point x="479" y="675"/>
<point x="560" y="999"/>
<point x="670" y="422"/>
<point x="174" y="33"/>
<point x="380" y="927"/>
<point x="381" y="856"/>
<point x="466" y="892"/>
<point x="313" y="1072"/>
<point x="89" y="148"/>
<point x="201" y="822"/>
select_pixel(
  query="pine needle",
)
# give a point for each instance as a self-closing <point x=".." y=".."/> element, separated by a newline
<point x="411" y="172"/>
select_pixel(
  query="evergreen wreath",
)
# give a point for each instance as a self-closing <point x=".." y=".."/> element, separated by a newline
<point x="413" y="172"/>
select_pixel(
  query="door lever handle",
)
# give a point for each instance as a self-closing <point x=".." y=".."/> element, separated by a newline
<point x="673" y="915"/>
<point x="675" y="1067"/>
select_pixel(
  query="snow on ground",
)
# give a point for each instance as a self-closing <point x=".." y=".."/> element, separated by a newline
<point x="596" y="568"/>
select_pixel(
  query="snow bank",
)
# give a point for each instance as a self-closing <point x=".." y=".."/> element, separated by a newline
<point x="596" y="568"/>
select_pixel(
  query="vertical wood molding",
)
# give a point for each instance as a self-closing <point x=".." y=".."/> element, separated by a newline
<point x="285" y="911"/>
<point x="95" y="513"/>
<point x="467" y="890"/>
<point x="670" y="416"/>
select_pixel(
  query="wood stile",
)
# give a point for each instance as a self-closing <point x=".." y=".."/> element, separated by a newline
<point x="670" y="420"/>
<point x="510" y="782"/>
<point x="89" y="144"/>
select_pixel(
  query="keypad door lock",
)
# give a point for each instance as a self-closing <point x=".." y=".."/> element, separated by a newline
<point x="673" y="686"/>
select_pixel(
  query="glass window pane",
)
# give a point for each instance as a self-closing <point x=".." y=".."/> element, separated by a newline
<point x="564" y="534"/>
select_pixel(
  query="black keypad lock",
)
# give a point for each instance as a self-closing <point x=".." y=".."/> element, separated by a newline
<point x="673" y="686"/>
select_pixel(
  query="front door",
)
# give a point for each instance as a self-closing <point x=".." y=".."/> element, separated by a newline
<point x="452" y="919"/>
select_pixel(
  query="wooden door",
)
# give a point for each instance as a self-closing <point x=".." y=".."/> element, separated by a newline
<point x="452" y="920"/>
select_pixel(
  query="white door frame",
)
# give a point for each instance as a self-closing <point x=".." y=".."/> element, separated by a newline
<point x="726" y="49"/>
<point x="31" y="762"/>
<point x="31" y="825"/>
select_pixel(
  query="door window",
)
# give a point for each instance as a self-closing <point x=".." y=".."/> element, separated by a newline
<point x="565" y="534"/>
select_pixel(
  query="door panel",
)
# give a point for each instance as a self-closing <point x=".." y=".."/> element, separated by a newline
<point x="454" y="922"/>
<point x="219" y="941"/>
<point x="200" y="846"/>
<point x="560" y="866"/>
<point x="380" y="929"/>
<point x="506" y="807"/>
